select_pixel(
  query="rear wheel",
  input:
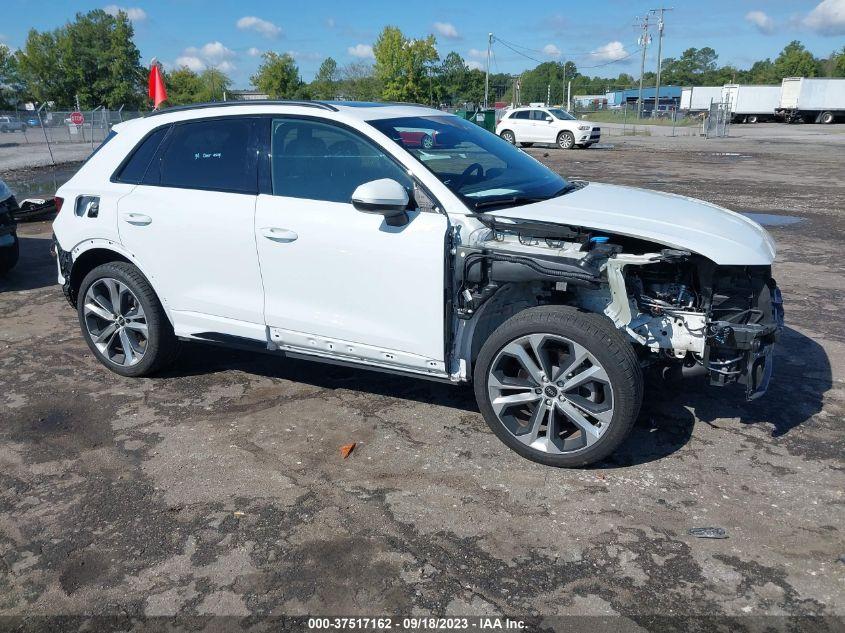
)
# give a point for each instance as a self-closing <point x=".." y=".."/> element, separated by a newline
<point x="526" y="144"/>
<point x="826" y="117"/>
<point x="427" y="141"/>
<point x="558" y="386"/>
<point x="566" y="140"/>
<point x="751" y="118"/>
<point x="123" y="321"/>
<point x="508" y="136"/>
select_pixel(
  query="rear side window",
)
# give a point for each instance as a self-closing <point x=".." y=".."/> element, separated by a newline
<point x="522" y="114"/>
<point x="133" y="170"/>
<point x="217" y="155"/>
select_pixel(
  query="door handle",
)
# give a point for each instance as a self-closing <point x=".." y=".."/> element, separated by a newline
<point x="138" y="219"/>
<point x="278" y="235"/>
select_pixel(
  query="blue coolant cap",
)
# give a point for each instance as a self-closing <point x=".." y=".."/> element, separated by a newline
<point x="601" y="239"/>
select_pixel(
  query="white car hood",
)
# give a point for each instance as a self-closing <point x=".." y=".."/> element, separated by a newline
<point x="724" y="237"/>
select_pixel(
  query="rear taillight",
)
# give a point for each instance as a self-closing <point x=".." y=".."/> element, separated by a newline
<point x="58" y="202"/>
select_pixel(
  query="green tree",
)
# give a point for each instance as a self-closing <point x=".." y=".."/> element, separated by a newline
<point x="183" y="86"/>
<point x="213" y="84"/>
<point x="403" y="65"/>
<point x="93" y="57"/>
<point x="278" y="76"/>
<point x="11" y="86"/>
<point x="325" y="82"/>
<point x="795" y="61"/>
<point x="358" y="82"/>
<point x="834" y="66"/>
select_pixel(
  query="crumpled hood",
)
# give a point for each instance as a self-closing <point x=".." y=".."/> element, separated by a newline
<point x="725" y="237"/>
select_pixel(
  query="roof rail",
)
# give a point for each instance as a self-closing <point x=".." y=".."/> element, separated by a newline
<point x="222" y="104"/>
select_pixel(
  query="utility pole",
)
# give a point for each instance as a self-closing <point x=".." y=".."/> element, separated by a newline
<point x="563" y="88"/>
<point x="487" y="76"/>
<point x="659" y="12"/>
<point x="643" y="42"/>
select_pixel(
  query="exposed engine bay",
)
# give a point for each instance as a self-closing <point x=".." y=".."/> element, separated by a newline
<point x="679" y="308"/>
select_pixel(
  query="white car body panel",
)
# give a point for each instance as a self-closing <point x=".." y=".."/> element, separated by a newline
<point x="348" y="276"/>
<point x="199" y="251"/>
<point x="725" y="237"/>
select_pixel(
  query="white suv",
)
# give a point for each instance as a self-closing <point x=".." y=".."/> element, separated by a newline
<point x="551" y="126"/>
<point x="328" y="231"/>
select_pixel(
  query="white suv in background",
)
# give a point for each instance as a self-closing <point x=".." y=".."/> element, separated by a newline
<point x="336" y="232"/>
<point x="556" y="126"/>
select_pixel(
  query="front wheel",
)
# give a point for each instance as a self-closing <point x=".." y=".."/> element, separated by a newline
<point x="123" y="321"/>
<point x="509" y="137"/>
<point x="566" y="140"/>
<point x="558" y="386"/>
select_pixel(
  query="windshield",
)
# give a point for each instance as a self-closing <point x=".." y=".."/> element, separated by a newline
<point x="563" y="115"/>
<point x="479" y="167"/>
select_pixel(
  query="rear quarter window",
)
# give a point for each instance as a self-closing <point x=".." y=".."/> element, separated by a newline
<point x="135" y="166"/>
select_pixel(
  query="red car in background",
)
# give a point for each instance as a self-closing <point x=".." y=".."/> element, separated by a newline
<point x="418" y="138"/>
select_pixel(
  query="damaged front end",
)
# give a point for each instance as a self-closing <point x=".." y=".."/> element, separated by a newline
<point x="679" y="308"/>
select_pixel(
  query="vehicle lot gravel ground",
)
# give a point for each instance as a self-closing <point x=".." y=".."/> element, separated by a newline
<point x="218" y="488"/>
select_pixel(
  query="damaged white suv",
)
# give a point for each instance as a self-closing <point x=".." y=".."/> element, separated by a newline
<point x="320" y="231"/>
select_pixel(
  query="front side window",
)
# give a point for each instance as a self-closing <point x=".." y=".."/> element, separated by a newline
<point x="319" y="161"/>
<point x="477" y="166"/>
<point x="215" y="154"/>
<point x="538" y="115"/>
<point x="561" y="114"/>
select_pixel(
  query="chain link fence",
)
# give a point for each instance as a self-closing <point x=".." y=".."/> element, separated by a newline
<point x="56" y="126"/>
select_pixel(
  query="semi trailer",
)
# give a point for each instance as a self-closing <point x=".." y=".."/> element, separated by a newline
<point x="699" y="98"/>
<point x="811" y="100"/>
<point x="751" y="104"/>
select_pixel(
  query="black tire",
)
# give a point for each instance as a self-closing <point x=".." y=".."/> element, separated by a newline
<point x="566" y="140"/>
<point x="826" y="118"/>
<point x="508" y="136"/>
<point x="427" y="141"/>
<point x="595" y="333"/>
<point x="526" y="144"/>
<point x="162" y="345"/>
<point x="9" y="257"/>
<point x="751" y="118"/>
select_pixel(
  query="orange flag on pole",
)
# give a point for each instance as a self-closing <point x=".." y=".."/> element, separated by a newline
<point x="156" y="89"/>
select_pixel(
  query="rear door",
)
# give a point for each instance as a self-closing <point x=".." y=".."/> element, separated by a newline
<point x="190" y="225"/>
<point x="340" y="282"/>
<point x="521" y="125"/>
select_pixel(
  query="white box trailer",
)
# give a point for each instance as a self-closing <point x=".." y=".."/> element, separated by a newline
<point x="812" y="100"/>
<point x="751" y="104"/>
<point x="698" y="98"/>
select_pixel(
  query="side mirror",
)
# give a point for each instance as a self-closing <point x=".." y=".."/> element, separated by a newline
<point x="385" y="197"/>
<point x="549" y="119"/>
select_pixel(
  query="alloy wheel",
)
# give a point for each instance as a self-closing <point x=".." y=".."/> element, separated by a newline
<point x="116" y="321"/>
<point x="566" y="141"/>
<point x="550" y="393"/>
<point x="509" y="137"/>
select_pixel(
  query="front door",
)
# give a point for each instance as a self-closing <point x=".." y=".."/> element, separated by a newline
<point x="339" y="282"/>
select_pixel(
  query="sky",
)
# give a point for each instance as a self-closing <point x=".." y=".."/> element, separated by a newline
<point x="600" y="34"/>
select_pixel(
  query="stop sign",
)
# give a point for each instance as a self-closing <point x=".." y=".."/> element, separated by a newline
<point x="76" y="118"/>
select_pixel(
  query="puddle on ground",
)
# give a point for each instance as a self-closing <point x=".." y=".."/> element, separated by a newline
<point x="771" y="219"/>
<point x="39" y="183"/>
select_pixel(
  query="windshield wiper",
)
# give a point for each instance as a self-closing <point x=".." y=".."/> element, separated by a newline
<point x="484" y="204"/>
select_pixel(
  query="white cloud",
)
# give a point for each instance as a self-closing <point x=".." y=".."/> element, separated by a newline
<point x="477" y="54"/>
<point x="551" y="50"/>
<point x="362" y="51"/>
<point x="828" y="18"/>
<point x="212" y="54"/>
<point x="330" y="23"/>
<point x="474" y="65"/>
<point x="610" y="52"/>
<point x="191" y="62"/>
<point x="763" y="22"/>
<point x="252" y="23"/>
<point x="135" y="14"/>
<point x="447" y="30"/>
<point x="254" y="52"/>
